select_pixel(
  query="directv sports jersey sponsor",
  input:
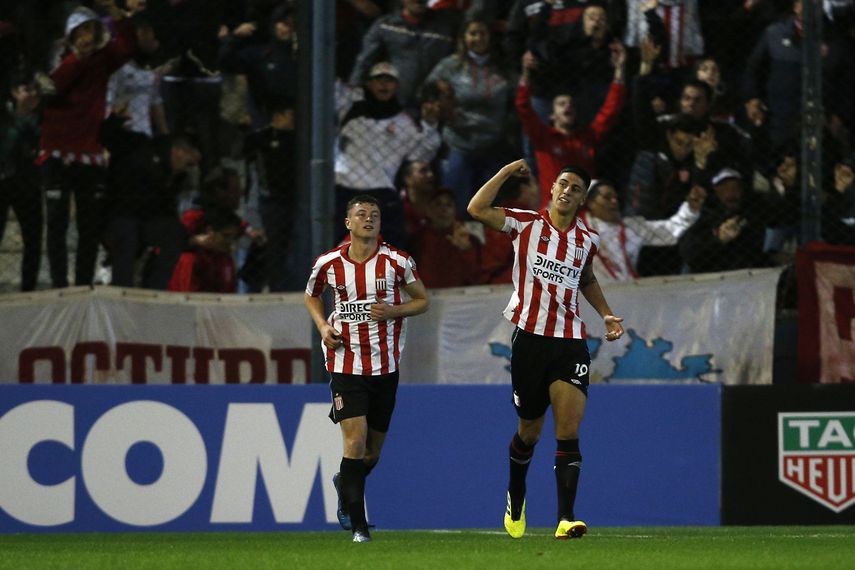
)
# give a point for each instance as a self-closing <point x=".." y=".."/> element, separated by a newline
<point x="554" y="271"/>
<point x="353" y="311"/>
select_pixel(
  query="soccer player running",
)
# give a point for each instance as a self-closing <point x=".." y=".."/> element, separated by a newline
<point x="553" y="254"/>
<point x="375" y="287"/>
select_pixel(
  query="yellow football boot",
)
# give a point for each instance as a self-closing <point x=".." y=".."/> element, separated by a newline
<point x="515" y="528"/>
<point x="570" y="529"/>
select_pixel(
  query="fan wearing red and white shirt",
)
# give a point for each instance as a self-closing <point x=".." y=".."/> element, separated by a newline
<point x="375" y="287"/>
<point x="549" y="356"/>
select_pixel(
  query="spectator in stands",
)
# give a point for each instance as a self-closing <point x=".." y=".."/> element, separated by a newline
<point x="540" y="35"/>
<point x="673" y="24"/>
<point x="352" y="20"/>
<point x="270" y="67"/>
<point x="419" y="187"/>
<point x="543" y="36"/>
<point x="730" y="232"/>
<point x="375" y="137"/>
<point x="838" y="209"/>
<point x="19" y="189"/>
<point x="145" y="177"/>
<point x="773" y="78"/>
<point x="659" y="183"/>
<point x="70" y="155"/>
<point x="726" y="144"/>
<point x="785" y="197"/>
<point x="413" y="40"/>
<point x="724" y="105"/>
<point x="589" y="56"/>
<point x="477" y="137"/>
<point x="191" y="82"/>
<point x="208" y="265"/>
<point x="621" y="238"/>
<point x="446" y="254"/>
<point x="136" y="86"/>
<point x="271" y="155"/>
<point x="565" y="142"/>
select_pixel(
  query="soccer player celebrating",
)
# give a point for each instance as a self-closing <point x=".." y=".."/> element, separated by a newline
<point x="553" y="251"/>
<point x="363" y="340"/>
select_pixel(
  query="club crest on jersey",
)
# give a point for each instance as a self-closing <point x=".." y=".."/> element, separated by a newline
<point x="816" y="456"/>
<point x="338" y="401"/>
<point x="544" y="238"/>
<point x="380" y="285"/>
<point x="341" y="287"/>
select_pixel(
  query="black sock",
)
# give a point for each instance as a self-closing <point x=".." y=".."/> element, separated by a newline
<point x="568" y="464"/>
<point x="520" y="458"/>
<point x="352" y="483"/>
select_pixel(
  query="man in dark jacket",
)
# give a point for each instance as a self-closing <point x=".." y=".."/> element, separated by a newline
<point x="413" y="40"/>
<point x="145" y="177"/>
<point x="729" y="234"/>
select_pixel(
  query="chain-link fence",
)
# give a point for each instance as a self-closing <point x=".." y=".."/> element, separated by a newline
<point x="159" y="149"/>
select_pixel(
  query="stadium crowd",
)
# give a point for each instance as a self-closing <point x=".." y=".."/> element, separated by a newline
<point x="166" y="130"/>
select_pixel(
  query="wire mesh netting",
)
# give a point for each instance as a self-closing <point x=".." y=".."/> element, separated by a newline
<point x="154" y="144"/>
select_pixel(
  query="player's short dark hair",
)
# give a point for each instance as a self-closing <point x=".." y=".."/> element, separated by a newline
<point x="578" y="171"/>
<point x="361" y="199"/>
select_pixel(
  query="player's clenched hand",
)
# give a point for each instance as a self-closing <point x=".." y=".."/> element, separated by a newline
<point x="331" y="337"/>
<point x="614" y="330"/>
<point x="381" y="311"/>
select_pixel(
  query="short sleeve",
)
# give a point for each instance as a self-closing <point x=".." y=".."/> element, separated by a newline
<point x="317" y="279"/>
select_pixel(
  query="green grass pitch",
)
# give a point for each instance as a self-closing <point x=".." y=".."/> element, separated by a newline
<point x="629" y="548"/>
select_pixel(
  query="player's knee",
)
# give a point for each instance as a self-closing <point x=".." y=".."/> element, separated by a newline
<point x="355" y="449"/>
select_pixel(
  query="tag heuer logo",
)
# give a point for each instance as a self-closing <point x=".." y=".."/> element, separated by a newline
<point x="816" y="456"/>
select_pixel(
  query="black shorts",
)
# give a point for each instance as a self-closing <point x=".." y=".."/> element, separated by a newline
<point x="354" y="395"/>
<point x="538" y="361"/>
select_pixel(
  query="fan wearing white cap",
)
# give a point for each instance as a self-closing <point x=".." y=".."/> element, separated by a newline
<point x="376" y="135"/>
<point x="730" y="232"/>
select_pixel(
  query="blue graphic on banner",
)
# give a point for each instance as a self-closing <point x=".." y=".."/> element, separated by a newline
<point x="640" y="361"/>
<point x="649" y="362"/>
<point x="261" y="458"/>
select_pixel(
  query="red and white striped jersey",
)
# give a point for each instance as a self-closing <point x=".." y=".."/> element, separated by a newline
<point x="547" y="266"/>
<point x="368" y="347"/>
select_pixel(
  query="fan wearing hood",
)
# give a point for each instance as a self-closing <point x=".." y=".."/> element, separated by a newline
<point x="70" y="155"/>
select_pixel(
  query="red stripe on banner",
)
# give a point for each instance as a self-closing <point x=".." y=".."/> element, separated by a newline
<point x="814" y="311"/>
<point x="363" y="328"/>
<point x="809" y="363"/>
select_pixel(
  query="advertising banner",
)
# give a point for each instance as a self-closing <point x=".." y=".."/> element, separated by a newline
<point x="703" y="328"/>
<point x="788" y="454"/>
<point x="826" y="280"/>
<point x="716" y="328"/>
<point x="261" y="458"/>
